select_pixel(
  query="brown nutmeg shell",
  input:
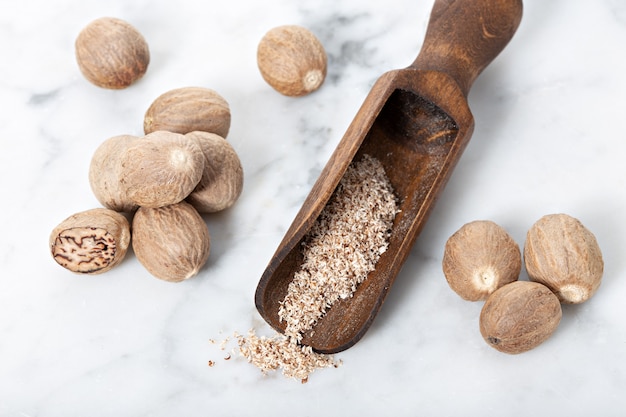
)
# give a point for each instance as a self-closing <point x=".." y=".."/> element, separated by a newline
<point x="222" y="181"/>
<point x="171" y="242"/>
<point x="561" y="253"/>
<point x="111" y="53"/>
<point x="519" y="316"/>
<point x="479" y="258"/>
<point x="160" y="169"/>
<point x="187" y="109"/>
<point x="292" y="60"/>
<point x="104" y="174"/>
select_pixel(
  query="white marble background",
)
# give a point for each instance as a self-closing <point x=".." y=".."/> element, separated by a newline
<point x="549" y="138"/>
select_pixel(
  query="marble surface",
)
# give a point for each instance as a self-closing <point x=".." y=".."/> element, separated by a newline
<point x="548" y="139"/>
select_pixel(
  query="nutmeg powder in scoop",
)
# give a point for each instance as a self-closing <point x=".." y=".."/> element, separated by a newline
<point x="342" y="248"/>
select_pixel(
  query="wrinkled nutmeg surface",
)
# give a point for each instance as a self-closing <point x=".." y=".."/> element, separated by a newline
<point x="171" y="242"/>
<point x="104" y="174"/>
<point x="111" y="53"/>
<point x="187" y="109"/>
<point x="161" y="168"/>
<point x="479" y="258"/>
<point x="519" y="316"/>
<point x="222" y="181"/>
<point x="91" y="241"/>
<point x="292" y="60"/>
<point x="561" y="253"/>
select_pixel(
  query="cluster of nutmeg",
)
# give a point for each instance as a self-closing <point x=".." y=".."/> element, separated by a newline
<point x="482" y="262"/>
<point x="183" y="167"/>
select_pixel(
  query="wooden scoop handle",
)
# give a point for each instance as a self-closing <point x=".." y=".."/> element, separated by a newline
<point x="464" y="36"/>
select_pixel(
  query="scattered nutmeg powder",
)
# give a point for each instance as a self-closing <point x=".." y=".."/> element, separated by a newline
<point x="341" y="249"/>
<point x="282" y="352"/>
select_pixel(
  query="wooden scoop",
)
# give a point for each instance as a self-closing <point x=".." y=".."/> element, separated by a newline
<point x="417" y="122"/>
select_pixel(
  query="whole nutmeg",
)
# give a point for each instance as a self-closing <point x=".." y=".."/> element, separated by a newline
<point x="160" y="168"/>
<point x="188" y="109"/>
<point x="479" y="258"/>
<point x="104" y="174"/>
<point x="171" y="242"/>
<point x="564" y="255"/>
<point x="91" y="241"/>
<point x="519" y="316"/>
<point x="222" y="180"/>
<point x="111" y="53"/>
<point x="292" y="60"/>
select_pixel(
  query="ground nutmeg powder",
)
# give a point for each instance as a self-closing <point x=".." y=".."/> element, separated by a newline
<point x="342" y="248"/>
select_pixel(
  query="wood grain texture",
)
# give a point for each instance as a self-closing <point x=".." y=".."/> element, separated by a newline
<point x="417" y="122"/>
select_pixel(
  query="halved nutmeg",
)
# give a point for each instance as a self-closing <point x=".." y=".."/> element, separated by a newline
<point x="91" y="241"/>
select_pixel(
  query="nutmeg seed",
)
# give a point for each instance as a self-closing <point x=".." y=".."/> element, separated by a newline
<point x="519" y="316"/>
<point x="91" y="241"/>
<point x="479" y="258"/>
<point x="104" y="174"/>
<point x="161" y="168"/>
<point x="292" y="60"/>
<point x="111" y="53"/>
<point x="222" y="180"/>
<point x="171" y="242"/>
<point x="561" y="253"/>
<point x="187" y="109"/>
